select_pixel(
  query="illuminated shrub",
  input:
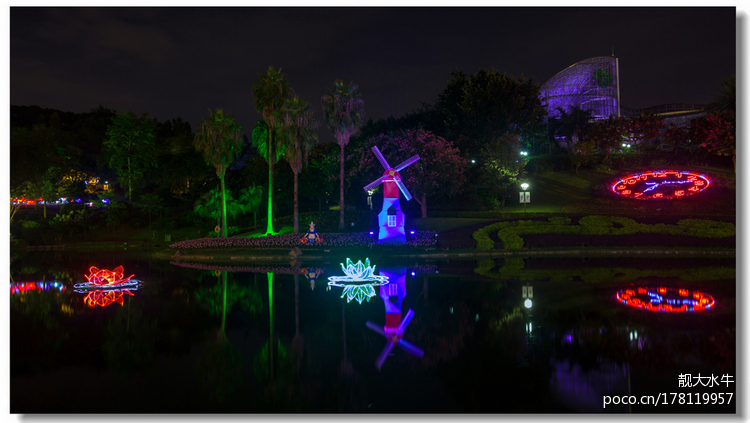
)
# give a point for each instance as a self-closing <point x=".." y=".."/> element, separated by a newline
<point x="509" y="233"/>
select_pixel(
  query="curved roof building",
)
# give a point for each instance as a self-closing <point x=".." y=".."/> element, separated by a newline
<point x="592" y="83"/>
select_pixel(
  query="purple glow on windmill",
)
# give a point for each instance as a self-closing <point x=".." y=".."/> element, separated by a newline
<point x="393" y="331"/>
<point x="391" y="226"/>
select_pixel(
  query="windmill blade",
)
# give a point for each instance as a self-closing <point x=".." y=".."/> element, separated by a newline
<point x="377" y="328"/>
<point x="384" y="354"/>
<point x="407" y="319"/>
<point x="404" y="191"/>
<point x="408" y="161"/>
<point x="411" y="348"/>
<point x="380" y="157"/>
<point x="373" y="184"/>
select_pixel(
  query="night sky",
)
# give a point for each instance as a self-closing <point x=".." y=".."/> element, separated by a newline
<point x="179" y="62"/>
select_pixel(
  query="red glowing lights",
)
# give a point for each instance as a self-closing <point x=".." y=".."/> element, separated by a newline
<point x="100" y="277"/>
<point x="661" y="184"/>
<point x="105" y="287"/>
<point x="105" y="297"/>
<point x="667" y="300"/>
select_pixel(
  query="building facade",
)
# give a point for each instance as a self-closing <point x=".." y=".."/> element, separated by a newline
<point x="591" y="84"/>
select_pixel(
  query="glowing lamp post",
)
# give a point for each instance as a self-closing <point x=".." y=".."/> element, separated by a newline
<point x="369" y="197"/>
<point x="525" y="196"/>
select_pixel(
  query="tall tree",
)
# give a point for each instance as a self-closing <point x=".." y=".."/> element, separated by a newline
<point x="130" y="148"/>
<point x="343" y="111"/>
<point x="220" y="140"/>
<point x="269" y="94"/>
<point x="44" y="186"/>
<point x="299" y="129"/>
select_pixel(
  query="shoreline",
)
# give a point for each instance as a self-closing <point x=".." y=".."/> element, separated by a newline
<point x="243" y="256"/>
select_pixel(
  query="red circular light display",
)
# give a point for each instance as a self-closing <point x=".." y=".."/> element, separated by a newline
<point x="661" y="184"/>
<point x="668" y="300"/>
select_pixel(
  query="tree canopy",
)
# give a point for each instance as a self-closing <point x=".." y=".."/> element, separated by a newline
<point x="474" y="109"/>
<point x="219" y="138"/>
<point x="439" y="171"/>
<point x="343" y="112"/>
<point x="130" y="149"/>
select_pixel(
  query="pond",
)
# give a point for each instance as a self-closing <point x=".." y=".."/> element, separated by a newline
<point x="517" y="335"/>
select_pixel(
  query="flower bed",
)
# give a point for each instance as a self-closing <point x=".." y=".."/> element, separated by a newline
<point x="419" y="239"/>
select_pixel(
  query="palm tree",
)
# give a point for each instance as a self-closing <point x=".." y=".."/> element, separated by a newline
<point x="572" y="125"/>
<point x="269" y="95"/>
<point x="726" y="97"/>
<point x="344" y="111"/>
<point x="220" y="139"/>
<point x="299" y="130"/>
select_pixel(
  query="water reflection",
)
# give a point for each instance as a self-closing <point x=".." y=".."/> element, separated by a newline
<point x="105" y="297"/>
<point x="393" y="331"/>
<point x="666" y="300"/>
<point x="17" y="288"/>
<point x="248" y="339"/>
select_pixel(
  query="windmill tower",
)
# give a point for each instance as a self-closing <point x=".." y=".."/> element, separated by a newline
<point x="391" y="226"/>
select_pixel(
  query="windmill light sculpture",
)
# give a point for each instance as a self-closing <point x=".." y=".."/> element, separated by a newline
<point x="393" y="331"/>
<point x="391" y="226"/>
<point x="395" y="336"/>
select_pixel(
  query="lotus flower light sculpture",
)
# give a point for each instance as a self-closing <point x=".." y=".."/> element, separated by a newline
<point x="359" y="280"/>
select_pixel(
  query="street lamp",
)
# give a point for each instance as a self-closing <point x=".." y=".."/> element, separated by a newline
<point x="525" y="196"/>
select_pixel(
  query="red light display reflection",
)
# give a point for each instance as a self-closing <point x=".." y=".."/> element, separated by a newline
<point x="105" y="297"/>
<point x="667" y="300"/>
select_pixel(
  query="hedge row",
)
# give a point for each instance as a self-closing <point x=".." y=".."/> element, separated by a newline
<point x="509" y="233"/>
<point x="512" y="269"/>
